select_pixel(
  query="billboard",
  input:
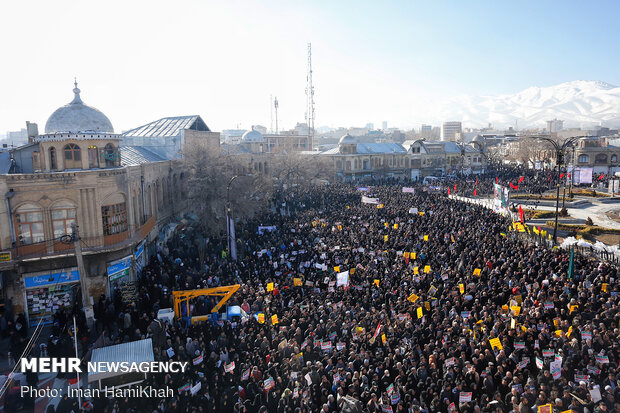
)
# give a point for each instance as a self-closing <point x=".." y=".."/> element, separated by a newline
<point x="501" y="198"/>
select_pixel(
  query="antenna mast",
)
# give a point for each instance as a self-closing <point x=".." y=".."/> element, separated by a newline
<point x="275" y="105"/>
<point x="310" y="99"/>
<point x="271" y="114"/>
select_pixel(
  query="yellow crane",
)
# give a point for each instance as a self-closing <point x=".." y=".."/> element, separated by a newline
<point x="182" y="297"/>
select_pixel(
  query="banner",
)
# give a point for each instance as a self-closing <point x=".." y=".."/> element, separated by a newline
<point x="262" y="229"/>
<point x="408" y="190"/>
<point x="233" y="241"/>
<point x="342" y="279"/>
<point x="363" y="189"/>
<point x="501" y="198"/>
<point x="367" y="200"/>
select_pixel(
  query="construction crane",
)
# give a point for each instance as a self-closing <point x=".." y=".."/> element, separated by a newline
<point x="182" y="297"/>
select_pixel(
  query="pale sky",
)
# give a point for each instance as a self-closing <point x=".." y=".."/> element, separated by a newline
<point x="138" y="61"/>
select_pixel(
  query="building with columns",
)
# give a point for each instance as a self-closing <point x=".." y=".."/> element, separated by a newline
<point x="79" y="173"/>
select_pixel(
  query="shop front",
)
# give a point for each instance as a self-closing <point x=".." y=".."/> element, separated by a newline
<point x="46" y="292"/>
<point x="119" y="273"/>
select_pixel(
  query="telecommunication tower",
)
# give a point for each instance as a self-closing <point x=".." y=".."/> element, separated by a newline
<point x="275" y="105"/>
<point x="310" y="99"/>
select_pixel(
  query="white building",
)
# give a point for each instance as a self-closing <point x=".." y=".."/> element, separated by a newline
<point x="555" y="125"/>
<point x="449" y="130"/>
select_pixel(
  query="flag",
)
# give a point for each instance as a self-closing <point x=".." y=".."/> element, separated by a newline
<point x="269" y="384"/>
<point x="515" y="187"/>
<point x="464" y="397"/>
<point x="448" y="191"/>
<point x="476" y="184"/>
<point x="521" y="179"/>
<point x="601" y="177"/>
<point x="228" y="368"/>
<point x="539" y="363"/>
<point x="496" y="180"/>
<point x="198" y="360"/>
<point x="521" y="214"/>
<point x="185" y="387"/>
<point x="454" y="187"/>
<point x="475" y="191"/>
<point x="374" y="336"/>
<point x="571" y="265"/>
<point x="562" y="175"/>
<point x="245" y="375"/>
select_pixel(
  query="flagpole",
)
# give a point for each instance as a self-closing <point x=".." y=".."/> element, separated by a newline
<point x="76" y="356"/>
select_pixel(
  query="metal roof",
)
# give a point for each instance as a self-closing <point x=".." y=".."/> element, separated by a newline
<point x="5" y="163"/>
<point x="372" y="148"/>
<point x="132" y="352"/>
<point x="171" y="126"/>
<point x="136" y="155"/>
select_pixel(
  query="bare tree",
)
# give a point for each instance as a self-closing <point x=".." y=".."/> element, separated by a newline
<point x="209" y="176"/>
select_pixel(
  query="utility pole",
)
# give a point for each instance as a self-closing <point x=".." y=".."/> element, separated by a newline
<point x="276" y="105"/>
<point x="86" y="305"/>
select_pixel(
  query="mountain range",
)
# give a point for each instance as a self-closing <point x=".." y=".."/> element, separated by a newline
<point x="580" y="103"/>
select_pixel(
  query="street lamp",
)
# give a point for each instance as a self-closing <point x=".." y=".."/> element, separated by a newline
<point x="559" y="160"/>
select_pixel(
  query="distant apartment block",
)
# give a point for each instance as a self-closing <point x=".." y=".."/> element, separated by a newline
<point x="450" y="130"/>
<point x="555" y="125"/>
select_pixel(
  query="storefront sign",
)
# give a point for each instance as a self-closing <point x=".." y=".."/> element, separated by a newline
<point x="60" y="277"/>
<point x="140" y="256"/>
<point x="119" y="268"/>
<point x="5" y="256"/>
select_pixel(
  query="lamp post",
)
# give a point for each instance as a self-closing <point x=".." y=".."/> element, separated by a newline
<point x="559" y="160"/>
<point x="228" y="212"/>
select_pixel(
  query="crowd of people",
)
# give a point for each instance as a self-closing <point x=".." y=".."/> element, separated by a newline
<point x="420" y="303"/>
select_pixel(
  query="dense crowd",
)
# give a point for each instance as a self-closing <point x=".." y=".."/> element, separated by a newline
<point x="443" y="309"/>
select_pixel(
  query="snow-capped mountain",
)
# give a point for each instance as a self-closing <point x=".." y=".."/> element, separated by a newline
<point x="579" y="103"/>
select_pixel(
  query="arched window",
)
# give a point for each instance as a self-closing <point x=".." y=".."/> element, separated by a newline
<point x="53" y="162"/>
<point x="73" y="157"/>
<point x="63" y="218"/>
<point x="600" y="158"/>
<point x="111" y="155"/>
<point x="614" y="158"/>
<point x="584" y="158"/>
<point x="29" y="224"/>
<point x="93" y="157"/>
<point x="339" y="165"/>
<point x="348" y="166"/>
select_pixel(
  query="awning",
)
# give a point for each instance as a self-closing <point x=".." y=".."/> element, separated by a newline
<point x="134" y="352"/>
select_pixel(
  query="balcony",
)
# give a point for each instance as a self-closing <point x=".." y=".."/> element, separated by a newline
<point x="89" y="245"/>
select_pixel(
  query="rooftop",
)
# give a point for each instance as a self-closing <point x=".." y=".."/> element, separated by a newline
<point x="136" y="155"/>
<point x="170" y="126"/>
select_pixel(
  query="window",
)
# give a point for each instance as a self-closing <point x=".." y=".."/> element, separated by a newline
<point x="348" y="166"/>
<point x="63" y="218"/>
<point x="29" y="224"/>
<point x="614" y="158"/>
<point x="53" y="163"/>
<point x="36" y="161"/>
<point x="73" y="157"/>
<point x="114" y="219"/>
<point x="584" y="159"/>
<point x="111" y="155"/>
<point x="93" y="157"/>
<point x="600" y="158"/>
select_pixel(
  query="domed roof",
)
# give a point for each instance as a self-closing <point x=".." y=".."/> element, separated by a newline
<point x="252" y="136"/>
<point x="78" y="117"/>
<point x="346" y="139"/>
<point x="478" y="138"/>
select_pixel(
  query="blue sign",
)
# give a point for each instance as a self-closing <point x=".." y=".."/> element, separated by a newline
<point x="52" y="279"/>
<point x="119" y="268"/>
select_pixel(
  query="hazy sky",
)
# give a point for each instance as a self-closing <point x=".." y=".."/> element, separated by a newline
<point x="391" y="60"/>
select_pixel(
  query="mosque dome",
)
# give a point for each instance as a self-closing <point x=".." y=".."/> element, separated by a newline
<point x="78" y="117"/>
<point x="346" y="140"/>
<point x="252" y="136"/>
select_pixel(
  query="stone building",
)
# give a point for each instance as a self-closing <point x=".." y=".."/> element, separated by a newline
<point x="79" y="173"/>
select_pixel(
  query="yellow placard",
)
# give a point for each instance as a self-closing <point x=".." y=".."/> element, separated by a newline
<point x="395" y="226"/>
<point x="519" y="299"/>
<point x="603" y="287"/>
<point x="516" y="310"/>
<point x="427" y="269"/>
<point x="413" y="298"/>
<point x="570" y="331"/>
<point x="556" y="321"/>
<point x="385" y="238"/>
<point x="386" y="224"/>
<point x="416" y="271"/>
<point x="348" y="207"/>
<point x="505" y="308"/>
<point x="352" y="271"/>
<point x="421" y="213"/>
<point x="477" y="271"/>
<point x="413" y="255"/>
<point x="558" y="333"/>
<point x="337" y="268"/>
<point x="339" y="227"/>
<point x="496" y="344"/>
<point x="6" y="257"/>
<point x="427" y="305"/>
<point x="420" y="312"/>
<point x="261" y="318"/>
<point x="426" y="238"/>
<point x="376" y="282"/>
<point x="383" y="338"/>
<point x="274" y="319"/>
<point x="545" y="408"/>
<point x="269" y="286"/>
<point x="523" y="328"/>
<point x="297" y="282"/>
<point x="406" y="254"/>
<point x="379" y="206"/>
<point x="573" y="308"/>
<point x="462" y="288"/>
